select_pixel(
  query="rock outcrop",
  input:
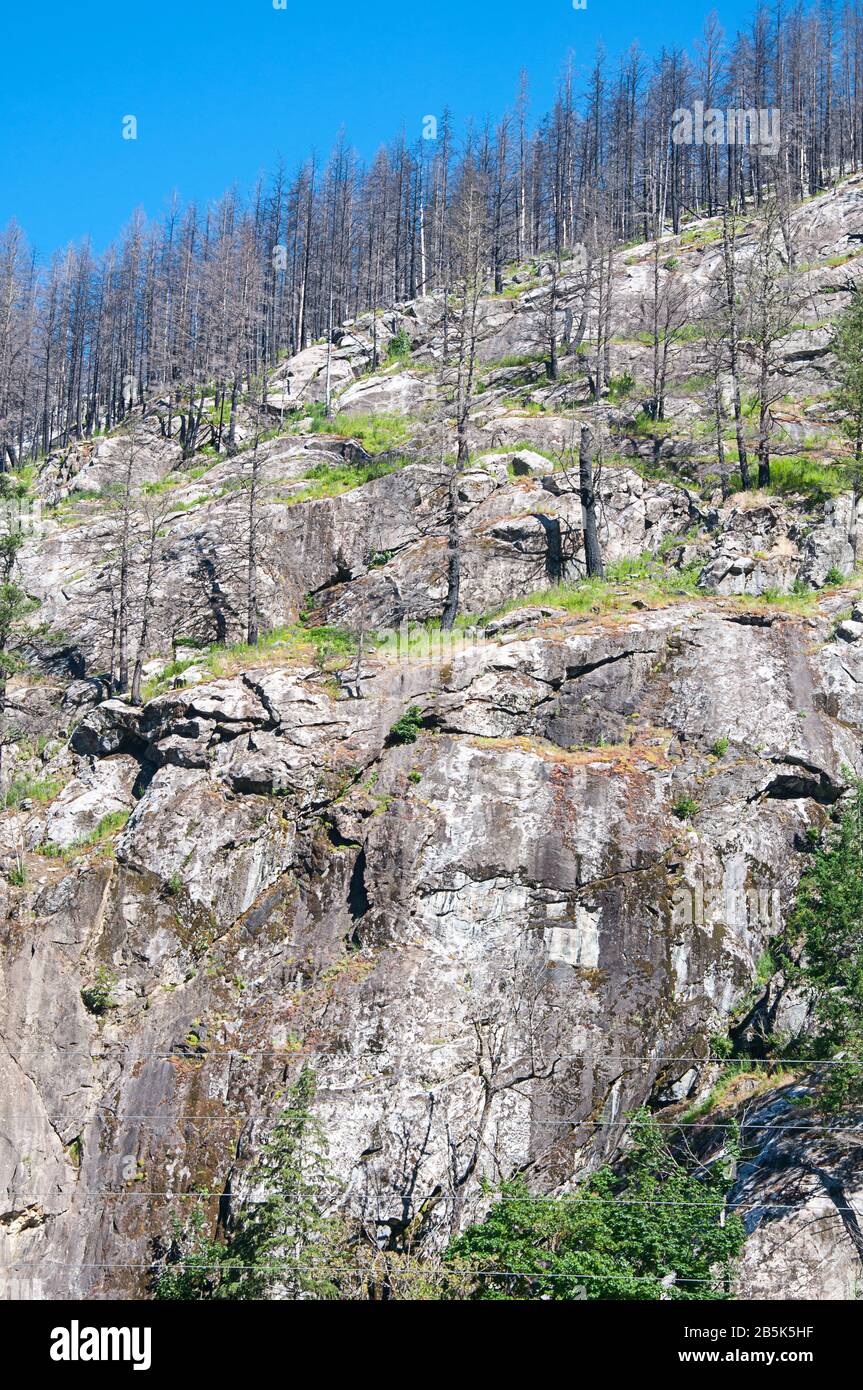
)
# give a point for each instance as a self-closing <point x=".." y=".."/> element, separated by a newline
<point x="499" y="888"/>
<point x="295" y="882"/>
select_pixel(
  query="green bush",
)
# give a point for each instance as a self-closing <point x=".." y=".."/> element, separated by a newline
<point x="98" y="998"/>
<point x="28" y="788"/>
<point x="399" y="349"/>
<point x="621" y="386"/>
<point x="658" y="1230"/>
<point x="407" y="728"/>
<point x="685" y="808"/>
<point x="827" y="923"/>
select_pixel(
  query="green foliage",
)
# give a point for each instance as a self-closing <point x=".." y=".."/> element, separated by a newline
<point x="326" y="644"/>
<point x="331" y="642"/>
<point x="848" y="351"/>
<point x="107" y="827"/>
<point x="765" y="968"/>
<point x="332" y="479"/>
<point x="27" y="788"/>
<point x="157" y="685"/>
<point x="644" y="577"/>
<point x="407" y="728"/>
<point x="383" y="431"/>
<point x="281" y="1245"/>
<point x="719" y="747"/>
<point x="619" y="387"/>
<point x="399" y="349"/>
<point x="192" y="1263"/>
<point x="616" y="1237"/>
<point x="98" y="998"/>
<point x="725" y="1082"/>
<point x="833" y="577"/>
<point x="14" y="602"/>
<point x="685" y="808"/>
<point x="827" y="922"/>
<point x="804" y="475"/>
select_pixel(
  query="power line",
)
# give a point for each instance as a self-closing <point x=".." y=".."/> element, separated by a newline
<point x="357" y="1269"/>
<point x="290" y="1054"/>
<point x="720" y="1203"/>
<point x="626" y="1120"/>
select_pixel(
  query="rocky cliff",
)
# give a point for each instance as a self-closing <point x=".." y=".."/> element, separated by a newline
<point x="495" y="930"/>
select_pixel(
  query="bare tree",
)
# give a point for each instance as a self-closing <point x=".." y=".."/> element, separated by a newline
<point x="469" y="245"/>
<point x="154" y="512"/>
<point x="773" y="304"/>
<point x="730" y="232"/>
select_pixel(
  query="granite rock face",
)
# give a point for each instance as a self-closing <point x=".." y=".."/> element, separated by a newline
<point x="508" y="910"/>
<point x="492" y="942"/>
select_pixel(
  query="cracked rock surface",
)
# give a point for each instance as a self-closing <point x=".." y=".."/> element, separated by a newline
<point x="291" y="881"/>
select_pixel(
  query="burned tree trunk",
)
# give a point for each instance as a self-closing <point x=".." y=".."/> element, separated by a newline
<point x="592" y="553"/>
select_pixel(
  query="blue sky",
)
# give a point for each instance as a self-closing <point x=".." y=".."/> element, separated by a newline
<point x="221" y="88"/>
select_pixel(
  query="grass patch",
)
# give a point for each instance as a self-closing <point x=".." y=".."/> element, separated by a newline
<point x="39" y="789"/>
<point x="109" y="826"/>
<point x="332" y="479"/>
<point x="330" y="647"/>
<point x="805" y="475"/>
<point x="737" y="1080"/>
<point x="644" y="578"/>
<point x="376" y="433"/>
<point x="157" y="685"/>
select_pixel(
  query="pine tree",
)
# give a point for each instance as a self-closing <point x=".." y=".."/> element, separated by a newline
<point x="280" y="1246"/>
<point x="848" y="352"/>
<point x="827" y="923"/>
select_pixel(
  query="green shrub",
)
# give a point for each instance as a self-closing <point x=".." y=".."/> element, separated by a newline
<point x="621" y="386"/>
<point x="685" y="808"/>
<point x="380" y="558"/>
<point x="399" y="348"/>
<point x="407" y="728"/>
<point x="719" y="747"/>
<point x="280" y="1245"/>
<point x="658" y="1230"/>
<point x="827" y="923"/>
<point x="98" y="998"/>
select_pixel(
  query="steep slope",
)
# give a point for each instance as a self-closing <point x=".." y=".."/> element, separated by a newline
<point x="493" y="942"/>
<point x="285" y="888"/>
